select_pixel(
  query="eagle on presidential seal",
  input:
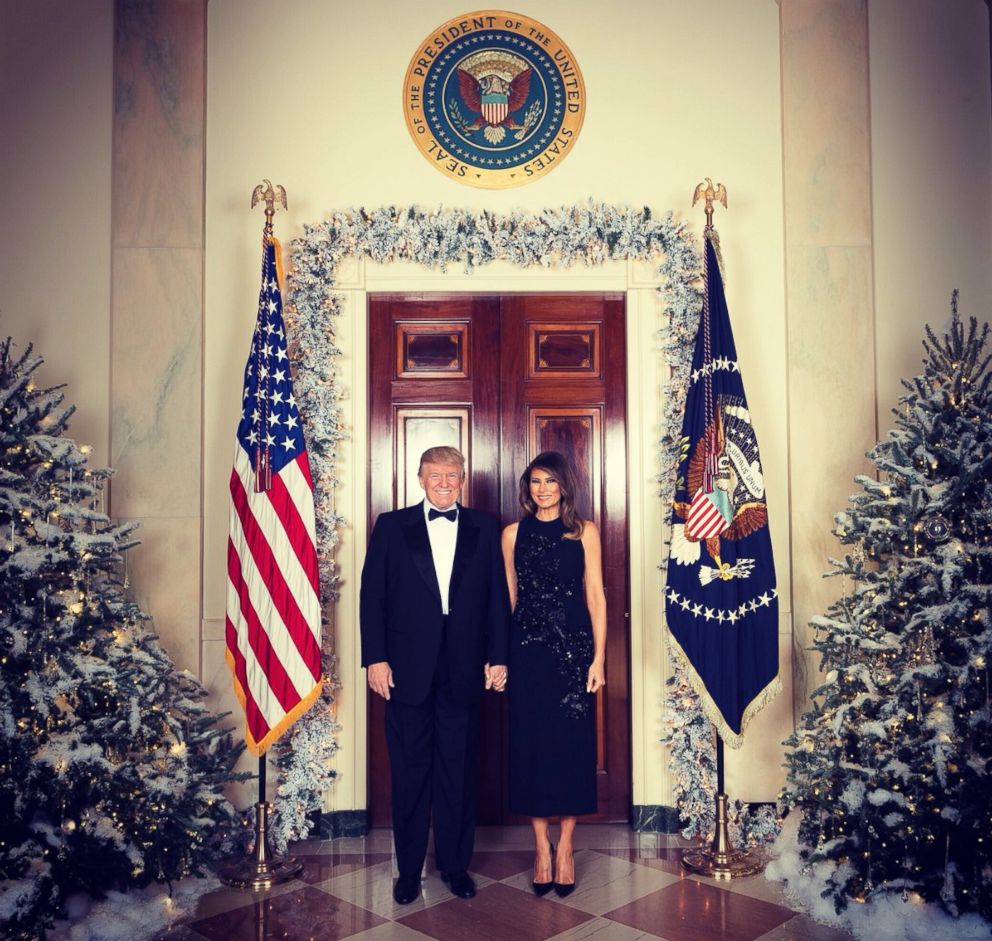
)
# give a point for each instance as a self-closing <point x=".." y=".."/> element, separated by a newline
<point x="727" y="486"/>
<point x="494" y="86"/>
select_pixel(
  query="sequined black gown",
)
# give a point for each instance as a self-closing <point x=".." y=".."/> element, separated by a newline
<point x="552" y="764"/>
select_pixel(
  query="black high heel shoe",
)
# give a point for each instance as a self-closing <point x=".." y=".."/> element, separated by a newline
<point x="543" y="888"/>
<point x="564" y="889"/>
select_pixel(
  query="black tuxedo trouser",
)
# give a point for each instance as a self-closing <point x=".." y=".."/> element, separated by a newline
<point x="431" y="752"/>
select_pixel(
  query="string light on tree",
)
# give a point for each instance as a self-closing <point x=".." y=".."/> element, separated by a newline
<point x="898" y="744"/>
<point x="111" y="767"/>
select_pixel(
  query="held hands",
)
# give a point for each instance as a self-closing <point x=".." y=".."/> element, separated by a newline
<point x="597" y="677"/>
<point x="496" y="677"/>
<point x="380" y="678"/>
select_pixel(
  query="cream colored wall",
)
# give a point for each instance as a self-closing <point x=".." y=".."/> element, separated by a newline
<point x="56" y="71"/>
<point x="931" y="176"/>
<point x="331" y="131"/>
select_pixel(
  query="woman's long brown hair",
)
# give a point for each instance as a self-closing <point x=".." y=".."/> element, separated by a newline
<point x="559" y="467"/>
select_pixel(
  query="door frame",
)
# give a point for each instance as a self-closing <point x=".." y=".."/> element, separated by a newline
<point x="651" y="783"/>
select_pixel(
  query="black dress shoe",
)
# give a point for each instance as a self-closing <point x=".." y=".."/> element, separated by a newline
<point x="460" y="883"/>
<point x="406" y="889"/>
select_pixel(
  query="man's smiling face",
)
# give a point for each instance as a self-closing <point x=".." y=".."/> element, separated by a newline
<point x="442" y="483"/>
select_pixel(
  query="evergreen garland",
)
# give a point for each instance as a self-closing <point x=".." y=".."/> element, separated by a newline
<point x="689" y="736"/>
<point x="304" y="753"/>
<point x="111" y="767"/>
<point x="587" y="234"/>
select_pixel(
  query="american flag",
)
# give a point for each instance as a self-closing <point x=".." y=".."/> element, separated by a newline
<point x="273" y="595"/>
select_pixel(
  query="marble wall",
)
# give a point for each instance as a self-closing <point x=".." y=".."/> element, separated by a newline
<point x="828" y="247"/>
<point x="156" y="349"/>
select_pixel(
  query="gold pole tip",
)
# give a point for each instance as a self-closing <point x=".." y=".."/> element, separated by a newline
<point x="271" y="195"/>
<point x="710" y="193"/>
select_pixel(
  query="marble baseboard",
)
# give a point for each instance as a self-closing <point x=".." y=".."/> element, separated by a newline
<point x="654" y="818"/>
<point x="337" y="823"/>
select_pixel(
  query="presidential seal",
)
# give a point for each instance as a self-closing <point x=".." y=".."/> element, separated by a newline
<point x="494" y="99"/>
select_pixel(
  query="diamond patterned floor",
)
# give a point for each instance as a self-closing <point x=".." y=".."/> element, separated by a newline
<point x="631" y="887"/>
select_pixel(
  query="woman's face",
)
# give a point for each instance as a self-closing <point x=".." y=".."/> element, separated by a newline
<point x="544" y="489"/>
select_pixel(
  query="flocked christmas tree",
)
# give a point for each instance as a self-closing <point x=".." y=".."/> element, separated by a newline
<point x="111" y="766"/>
<point x="891" y="770"/>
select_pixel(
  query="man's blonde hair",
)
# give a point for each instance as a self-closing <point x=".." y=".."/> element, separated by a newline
<point x="441" y="455"/>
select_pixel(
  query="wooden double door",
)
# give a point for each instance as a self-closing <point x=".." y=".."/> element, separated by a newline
<point x="503" y="378"/>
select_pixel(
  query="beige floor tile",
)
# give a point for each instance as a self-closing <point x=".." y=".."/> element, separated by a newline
<point x="605" y="882"/>
<point x="599" y="929"/>
<point x="755" y="887"/>
<point x="372" y="888"/>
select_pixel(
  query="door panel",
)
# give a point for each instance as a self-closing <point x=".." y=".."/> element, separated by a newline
<point x="419" y="428"/>
<point x="504" y="378"/>
<point x="577" y="433"/>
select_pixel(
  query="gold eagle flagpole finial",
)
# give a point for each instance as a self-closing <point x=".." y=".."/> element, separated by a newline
<point x="710" y="193"/>
<point x="271" y="195"/>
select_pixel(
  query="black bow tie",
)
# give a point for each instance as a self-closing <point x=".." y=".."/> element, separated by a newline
<point x="450" y="515"/>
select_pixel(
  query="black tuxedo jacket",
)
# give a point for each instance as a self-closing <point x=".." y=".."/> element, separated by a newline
<point x="400" y="603"/>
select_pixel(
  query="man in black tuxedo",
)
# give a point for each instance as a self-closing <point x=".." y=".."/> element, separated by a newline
<point x="435" y="614"/>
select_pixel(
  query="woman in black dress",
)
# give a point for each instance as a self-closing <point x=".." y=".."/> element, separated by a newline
<point x="557" y="662"/>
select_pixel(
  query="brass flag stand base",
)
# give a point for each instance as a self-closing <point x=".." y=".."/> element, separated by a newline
<point x="721" y="860"/>
<point x="262" y="870"/>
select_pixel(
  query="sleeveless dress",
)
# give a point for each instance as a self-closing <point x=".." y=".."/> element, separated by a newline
<point x="552" y="731"/>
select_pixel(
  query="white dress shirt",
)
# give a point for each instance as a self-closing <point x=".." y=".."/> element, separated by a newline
<point x="443" y="535"/>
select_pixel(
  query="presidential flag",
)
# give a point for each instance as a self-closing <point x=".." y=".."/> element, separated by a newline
<point x="721" y="603"/>
<point x="273" y="595"/>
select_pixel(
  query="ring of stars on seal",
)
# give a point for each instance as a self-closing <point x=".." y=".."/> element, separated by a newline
<point x="494" y="99"/>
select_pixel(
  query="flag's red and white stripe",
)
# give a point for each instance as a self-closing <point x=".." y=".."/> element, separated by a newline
<point x="273" y="603"/>
<point x="704" y="519"/>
